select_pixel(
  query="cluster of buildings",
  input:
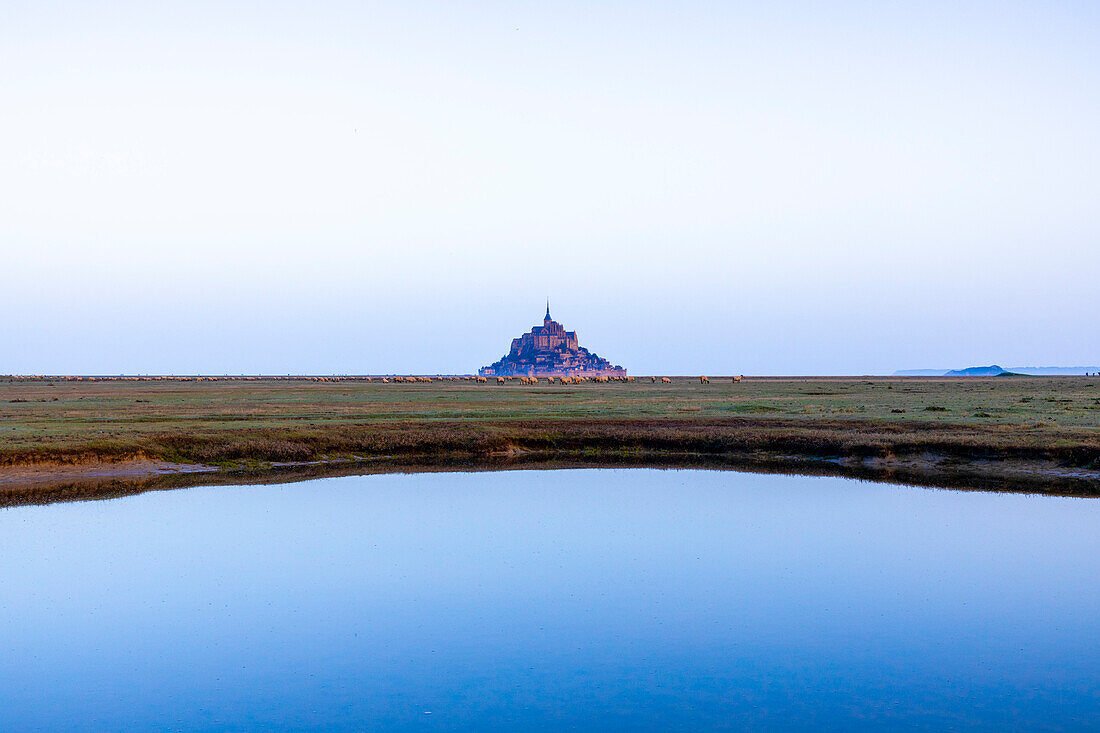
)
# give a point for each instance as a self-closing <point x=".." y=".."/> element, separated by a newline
<point x="550" y="351"/>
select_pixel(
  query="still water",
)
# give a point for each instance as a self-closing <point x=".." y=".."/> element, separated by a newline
<point x="587" y="599"/>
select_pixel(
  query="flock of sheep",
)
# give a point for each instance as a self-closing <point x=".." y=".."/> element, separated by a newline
<point x="505" y="380"/>
<point x="384" y="380"/>
<point x="536" y="380"/>
<point x="227" y="378"/>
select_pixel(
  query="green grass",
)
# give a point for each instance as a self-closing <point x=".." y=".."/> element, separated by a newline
<point x="268" y="420"/>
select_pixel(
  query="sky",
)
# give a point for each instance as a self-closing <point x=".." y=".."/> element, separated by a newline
<point x="697" y="187"/>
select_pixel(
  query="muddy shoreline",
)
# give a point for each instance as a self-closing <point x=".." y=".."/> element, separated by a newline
<point x="49" y="482"/>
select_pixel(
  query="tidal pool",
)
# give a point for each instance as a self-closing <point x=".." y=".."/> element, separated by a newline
<point x="576" y="599"/>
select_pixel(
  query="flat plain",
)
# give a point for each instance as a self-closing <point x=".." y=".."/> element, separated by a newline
<point x="232" y="420"/>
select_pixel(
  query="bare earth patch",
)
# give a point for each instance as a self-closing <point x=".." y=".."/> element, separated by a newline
<point x="53" y="473"/>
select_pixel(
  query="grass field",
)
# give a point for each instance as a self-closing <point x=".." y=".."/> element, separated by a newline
<point x="296" y="420"/>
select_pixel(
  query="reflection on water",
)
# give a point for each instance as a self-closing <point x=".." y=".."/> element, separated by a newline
<point x="548" y="599"/>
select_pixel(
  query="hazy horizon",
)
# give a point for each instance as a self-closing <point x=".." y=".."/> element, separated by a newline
<point x="722" y="188"/>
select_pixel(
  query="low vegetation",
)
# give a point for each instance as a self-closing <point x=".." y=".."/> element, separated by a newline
<point x="235" y="423"/>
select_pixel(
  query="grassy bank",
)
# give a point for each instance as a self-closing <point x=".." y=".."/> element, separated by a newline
<point x="234" y="423"/>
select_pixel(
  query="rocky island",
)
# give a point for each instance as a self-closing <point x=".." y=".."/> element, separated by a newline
<point x="550" y="350"/>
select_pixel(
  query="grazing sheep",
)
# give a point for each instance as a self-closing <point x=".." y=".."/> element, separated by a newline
<point x="666" y="380"/>
<point x="737" y="379"/>
<point x="704" y="380"/>
<point x="653" y="379"/>
<point x="500" y="380"/>
<point x="482" y="379"/>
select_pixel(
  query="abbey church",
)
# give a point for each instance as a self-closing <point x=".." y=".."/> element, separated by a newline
<point x="550" y="350"/>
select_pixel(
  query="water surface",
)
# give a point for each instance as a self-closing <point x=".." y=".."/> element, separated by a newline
<point x="586" y="599"/>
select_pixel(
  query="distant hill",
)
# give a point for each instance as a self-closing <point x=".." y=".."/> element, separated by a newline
<point x="994" y="370"/>
<point x="988" y="371"/>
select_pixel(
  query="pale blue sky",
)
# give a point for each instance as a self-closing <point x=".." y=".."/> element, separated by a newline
<point x="784" y="188"/>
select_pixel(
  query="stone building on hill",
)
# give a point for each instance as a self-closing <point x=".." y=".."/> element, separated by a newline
<point x="550" y="350"/>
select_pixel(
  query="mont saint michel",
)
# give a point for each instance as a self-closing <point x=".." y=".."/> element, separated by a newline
<point x="550" y="350"/>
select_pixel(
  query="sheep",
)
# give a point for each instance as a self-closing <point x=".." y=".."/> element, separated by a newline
<point x="481" y="379"/>
<point x="737" y="379"/>
<point x="653" y="379"/>
<point x="666" y="380"/>
<point x="704" y="380"/>
<point x="500" y="380"/>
